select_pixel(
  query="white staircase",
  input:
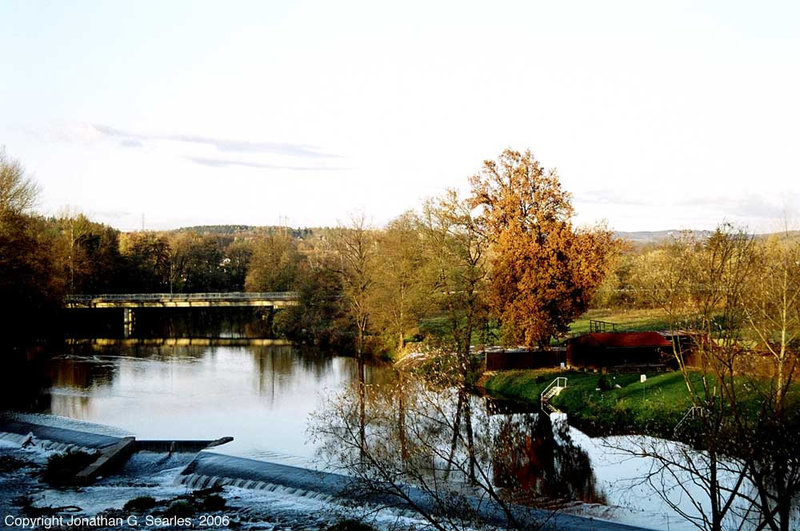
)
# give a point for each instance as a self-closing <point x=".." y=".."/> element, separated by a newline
<point x="693" y="413"/>
<point x="555" y="387"/>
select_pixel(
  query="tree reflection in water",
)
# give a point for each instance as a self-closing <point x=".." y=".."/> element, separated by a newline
<point x="414" y="432"/>
<point x="537" y="461"/>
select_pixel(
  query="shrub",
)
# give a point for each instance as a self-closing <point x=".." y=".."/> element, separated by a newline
<point x="350" y="525"/>
<point x="10" y="463"/>
<point x="213" y="502"/>
<point x="140" y="504"/>
<point x="180" y="509"/>
<point x="61" y="469"/>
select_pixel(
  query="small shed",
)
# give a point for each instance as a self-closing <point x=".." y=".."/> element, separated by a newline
<point x="619" y="351"/>
<point x="522" y="359"/>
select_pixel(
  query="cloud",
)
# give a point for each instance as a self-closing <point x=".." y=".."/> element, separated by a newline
<point x="610" y="197"/>
<point x="128" y="143"/>
<point x="224" y="163"/>
<point x="111" y="213"/>
<point x="752" y="206"/>
<point x="225" y="145"/>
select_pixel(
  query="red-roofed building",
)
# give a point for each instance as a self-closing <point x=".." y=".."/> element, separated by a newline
<point x="619" y="350"/>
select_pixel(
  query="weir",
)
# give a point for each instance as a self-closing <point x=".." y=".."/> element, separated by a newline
<point x="112" y="452"/>
<point x="209" y="469"/>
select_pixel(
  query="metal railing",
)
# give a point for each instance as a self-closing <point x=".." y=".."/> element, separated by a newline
<point x="180" y="297"/>
<point x="553" y="389"/>
<point x="693" y="413"/>
<point x="601" y="326"/>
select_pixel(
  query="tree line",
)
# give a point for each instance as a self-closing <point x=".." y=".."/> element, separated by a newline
<point x="502" y="263"/>
<point x="731" y="301"/>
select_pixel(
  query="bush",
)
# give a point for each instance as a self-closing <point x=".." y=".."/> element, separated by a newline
<point x="10" y="463"/>
<point x="350" y="525"/>
<point x="180" y="509"/>
<point x="62" y="468"/>
<point x="213" y="502"/>
<point x="140" y="504"/>
<point x="604" y="383"/>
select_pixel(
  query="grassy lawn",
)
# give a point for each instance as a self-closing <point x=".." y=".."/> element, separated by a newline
<point x="627" y="320"/>
<point x="653" y="407"/>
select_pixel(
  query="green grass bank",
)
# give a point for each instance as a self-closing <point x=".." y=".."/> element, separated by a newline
<point x="627" y="320"/>
<point x="653" y="407"/>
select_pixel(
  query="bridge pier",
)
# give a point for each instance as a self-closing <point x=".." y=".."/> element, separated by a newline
<point x="127" y="322"/>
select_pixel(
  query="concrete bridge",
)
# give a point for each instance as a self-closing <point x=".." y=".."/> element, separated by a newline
<point x="130" y="301"/>
<point x="278" y="299"/>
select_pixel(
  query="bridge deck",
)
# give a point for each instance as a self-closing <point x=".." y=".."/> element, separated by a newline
<point x="182" y="300"/>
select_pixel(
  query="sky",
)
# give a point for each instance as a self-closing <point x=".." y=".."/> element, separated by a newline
<point x="656" y="115"/>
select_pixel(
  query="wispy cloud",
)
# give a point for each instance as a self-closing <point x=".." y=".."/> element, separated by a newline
<point x="752" y="206"/>
<point x="224" y="163"/>
<point x="130" y="143"/>
<point x="611" y="197"/>
<point x="221" y="144"/>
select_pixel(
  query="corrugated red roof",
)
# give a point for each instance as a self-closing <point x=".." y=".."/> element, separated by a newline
<point x="622" y="340"/>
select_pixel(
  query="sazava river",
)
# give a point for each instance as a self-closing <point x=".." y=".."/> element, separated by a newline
<point x="265" y="396"/>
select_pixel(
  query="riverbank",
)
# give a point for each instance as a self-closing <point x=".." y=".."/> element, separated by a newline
<point x="602" y="404"/>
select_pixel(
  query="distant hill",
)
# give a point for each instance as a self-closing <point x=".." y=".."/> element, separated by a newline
<point x="243" y="230"/>
<point x="635" y="237"/>
<point x="648" y="237"/>
<point x="219" y="229"/>
<point x="645" y="237"/>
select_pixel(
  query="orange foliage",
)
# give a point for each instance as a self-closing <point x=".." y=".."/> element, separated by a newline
<point x="544" y="272"/>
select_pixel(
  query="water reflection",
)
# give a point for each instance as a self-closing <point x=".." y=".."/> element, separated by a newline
<point x="412" y="432"/>
<point x="223" y="322"/>
<point x="535" y="458"/>
<point x="23" y="380"/>
<point x="261" y="395"/>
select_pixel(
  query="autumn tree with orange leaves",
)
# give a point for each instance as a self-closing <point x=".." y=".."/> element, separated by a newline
<point x="544" y="271"/>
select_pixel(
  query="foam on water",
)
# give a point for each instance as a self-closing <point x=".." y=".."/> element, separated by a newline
<point x="55" y="421"/>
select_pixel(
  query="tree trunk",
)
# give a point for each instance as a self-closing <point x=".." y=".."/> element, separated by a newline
<point x="362" y="414"/>
<point x="716" y="517"/>
<point x="401" y="420"/>
<point x="456" y="432"/>
<point x="470" y="438"/>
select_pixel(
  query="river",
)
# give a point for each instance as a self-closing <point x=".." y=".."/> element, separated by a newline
<point x="268" y="397"/>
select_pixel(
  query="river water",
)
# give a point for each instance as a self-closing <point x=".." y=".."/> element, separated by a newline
<point x="267" y="397"/>
<point x="260" y="395"/>
<point x="264" y="396"/>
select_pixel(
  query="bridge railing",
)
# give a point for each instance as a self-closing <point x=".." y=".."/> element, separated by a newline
<point x="178" y="297"/>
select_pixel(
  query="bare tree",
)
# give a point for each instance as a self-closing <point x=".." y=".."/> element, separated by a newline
<point x="18" y="193"/>
<point x="406" y="459"/>
<point x="354" y="260"/>
<point x="771" y="437"/>
<point x="732" y="303"/>
<point x="456" y="251"/>
<point x="400" y="291"/>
